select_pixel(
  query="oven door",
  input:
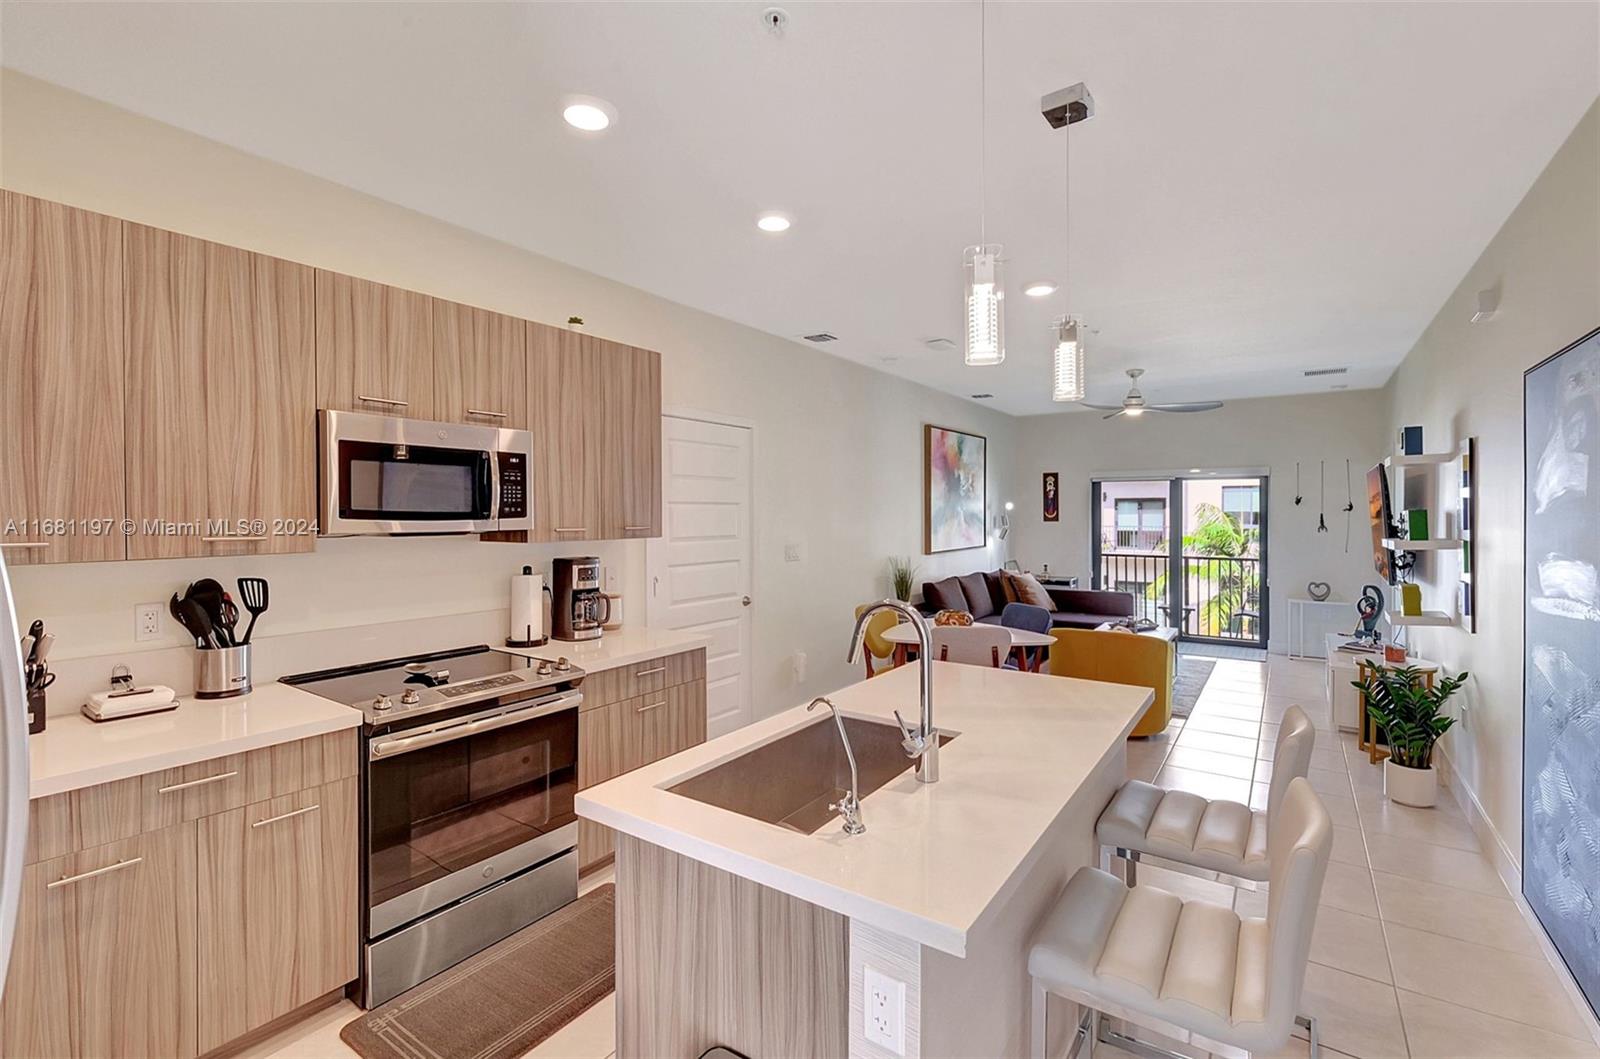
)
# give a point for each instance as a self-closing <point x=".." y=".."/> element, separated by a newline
<point x="381" y="474"/>
<point x="455" y="806"/>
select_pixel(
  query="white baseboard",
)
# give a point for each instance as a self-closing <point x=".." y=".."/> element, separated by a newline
<point x="1509" y="868"/>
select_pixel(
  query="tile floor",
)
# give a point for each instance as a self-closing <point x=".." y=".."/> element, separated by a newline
<point x="1419" y="952"/>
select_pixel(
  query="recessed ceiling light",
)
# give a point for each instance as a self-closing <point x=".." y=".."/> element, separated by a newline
<point x="588" y="114"/>
<point x="773" y="222"/>
<point x="1194" y="470"/>
<point x="1039" y="288"/>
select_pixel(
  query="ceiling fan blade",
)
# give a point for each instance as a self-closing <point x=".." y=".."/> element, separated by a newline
<point x="1115" y="414"/>
<point x="1102" y="407"/>
<point x="1192" y="406"/>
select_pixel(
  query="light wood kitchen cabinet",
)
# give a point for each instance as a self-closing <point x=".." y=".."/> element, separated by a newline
<point x="62" y="350"/>
<point x="221" y="398"/>
<point x="630" y="441"/>
<point x="278" y="895"/>
<point x="620" y="735"/>
<point x="374" y="347"/>
<point x="480" y="366"/>
<point x="564" y="405"/>
<point x="105" y="957"/>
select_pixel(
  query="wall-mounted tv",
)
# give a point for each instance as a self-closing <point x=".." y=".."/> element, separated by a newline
<point x="1381" y="515"/>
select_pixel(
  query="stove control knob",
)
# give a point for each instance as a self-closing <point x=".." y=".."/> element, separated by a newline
<point x="562" y="663"/>
<point x="544" y="668"/>
<point x="382" y="703"/>
<point x="410" y="697"/>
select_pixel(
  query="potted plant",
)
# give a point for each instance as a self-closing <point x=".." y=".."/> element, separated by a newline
<point x="902" y="574"/>
<point x="1410" y="714"/>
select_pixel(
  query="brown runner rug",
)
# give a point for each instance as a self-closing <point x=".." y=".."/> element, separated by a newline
<point x="506" y="999"/>
<point x="1188" y="682"/>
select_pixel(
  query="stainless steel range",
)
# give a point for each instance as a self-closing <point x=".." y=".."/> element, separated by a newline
<point x="470" y="766"/>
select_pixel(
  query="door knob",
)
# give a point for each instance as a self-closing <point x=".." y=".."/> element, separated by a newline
<point x="745" y="601"/>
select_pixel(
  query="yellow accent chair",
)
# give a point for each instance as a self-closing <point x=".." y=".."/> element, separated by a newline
<point x="1120" y="658"/>
<point x="877" y="646"/>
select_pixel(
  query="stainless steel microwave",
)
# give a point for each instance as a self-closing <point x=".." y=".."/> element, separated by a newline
<point x="386" y="475"/>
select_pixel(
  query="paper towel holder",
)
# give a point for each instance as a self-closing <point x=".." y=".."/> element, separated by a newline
<point x="512" y="641"/>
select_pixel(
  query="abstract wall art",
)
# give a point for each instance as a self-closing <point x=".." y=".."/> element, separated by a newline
<point x="1561" y="654"/>
<point x="955" y="493"/>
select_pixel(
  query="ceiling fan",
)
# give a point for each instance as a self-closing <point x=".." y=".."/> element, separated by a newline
<point x="1134" y="404"/>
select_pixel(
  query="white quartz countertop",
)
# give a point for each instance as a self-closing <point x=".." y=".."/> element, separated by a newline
<point x="618" y="647"/>
<point x="74" y="752"/>
<point x="934" y="856"/>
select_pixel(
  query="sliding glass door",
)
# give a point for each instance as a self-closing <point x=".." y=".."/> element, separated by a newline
<point x="1191" y="550"/>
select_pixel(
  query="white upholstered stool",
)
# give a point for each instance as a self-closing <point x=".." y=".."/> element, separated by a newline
<point x="1217" y="835"/>
<point x="1177" y="966"/>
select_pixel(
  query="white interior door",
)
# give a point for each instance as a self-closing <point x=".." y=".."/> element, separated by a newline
<point x="699" y="568"/>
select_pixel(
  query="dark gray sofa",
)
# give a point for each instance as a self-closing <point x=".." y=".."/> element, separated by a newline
<point x="982" y="595"/>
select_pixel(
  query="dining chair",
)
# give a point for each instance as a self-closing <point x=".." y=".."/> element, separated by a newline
<point x="974" y="645"/>
<point x="1029" y="618"/>
<point x="1188" y="967"/>
<point x="877" y="646"/>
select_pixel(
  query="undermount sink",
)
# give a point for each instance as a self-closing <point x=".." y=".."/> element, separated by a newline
<point x="791" y="781"/>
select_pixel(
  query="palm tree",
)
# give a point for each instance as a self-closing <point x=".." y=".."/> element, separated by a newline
<point x="1218" y="535"/>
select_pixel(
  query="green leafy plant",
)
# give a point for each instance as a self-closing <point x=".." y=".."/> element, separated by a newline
<point x="902" y="575"/>
<point x="1409" y="712"/>
<point x="1235" y="581"/>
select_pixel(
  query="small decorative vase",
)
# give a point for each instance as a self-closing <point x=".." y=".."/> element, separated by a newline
<point x="1415" y="787"/>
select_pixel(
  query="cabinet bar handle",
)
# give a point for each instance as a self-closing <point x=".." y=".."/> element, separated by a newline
<point x="572" y="529"/>
<point x="383" y="400"/>
<point x="285" y="816"/>
<point x="635" y="529"/>
<point x="24" y="544"/>
<point x="485" y="412"/>
<point x="68" y="880"/>
<point x="218" y="778"/>
<point x="233" y="539"/>
<point x="649" y="672"/>
<point x="652" y="706"/>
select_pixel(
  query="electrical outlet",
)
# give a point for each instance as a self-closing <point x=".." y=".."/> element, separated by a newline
<point x="799" y="665"/>
<point x="885" y="1010"/>
<point x="610" y="577"/>
<point x="146" y="622"/>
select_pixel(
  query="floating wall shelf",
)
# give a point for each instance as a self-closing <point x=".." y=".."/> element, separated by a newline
<point x="1432" y="544"/>
<point x="1427" y="617"/>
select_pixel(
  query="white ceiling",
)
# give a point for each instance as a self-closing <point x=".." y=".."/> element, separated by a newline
<point x="1266" y="188"/>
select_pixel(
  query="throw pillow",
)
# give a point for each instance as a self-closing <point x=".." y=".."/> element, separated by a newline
<point x="1029" y="590"/>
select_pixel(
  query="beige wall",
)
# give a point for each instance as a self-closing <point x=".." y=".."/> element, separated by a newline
<point x="1464" y="379"/>
<point x="1259" y="435"/>
<point x="838" y="447"/>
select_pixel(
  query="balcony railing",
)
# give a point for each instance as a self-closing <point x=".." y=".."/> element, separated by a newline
<point x="1221" y="595"/>
<point x="1134" y="540"/>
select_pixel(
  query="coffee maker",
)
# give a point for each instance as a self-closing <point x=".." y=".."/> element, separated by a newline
<point x="577" y="609"/>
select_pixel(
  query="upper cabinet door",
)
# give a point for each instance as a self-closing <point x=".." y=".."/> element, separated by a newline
<point x="564" y="407"/>
<point x="630" y="441"/>
<point x="480" y="366"/>
<point x="62" y="496"/>
<point x="374" y="347"/>
<point x="221" y="399"/>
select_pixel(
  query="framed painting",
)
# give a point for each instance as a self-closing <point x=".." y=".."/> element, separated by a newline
<point x="954" y="490"/>
<point x="1561" y="653"/>
<point x="1052" y="496"/>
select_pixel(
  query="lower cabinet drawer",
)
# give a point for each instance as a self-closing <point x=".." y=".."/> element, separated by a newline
<point x="643" y="678"/>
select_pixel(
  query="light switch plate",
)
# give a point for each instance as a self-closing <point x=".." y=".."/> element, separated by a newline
<point x="884" y="1010"/>
<point x="793" y="552"/>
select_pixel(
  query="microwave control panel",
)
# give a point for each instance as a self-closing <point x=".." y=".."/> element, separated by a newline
<point x="513" y="485"/>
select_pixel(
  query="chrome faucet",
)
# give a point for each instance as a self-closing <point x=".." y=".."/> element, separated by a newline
<point x="849" y="806"/>
<point x="922" y="743"/>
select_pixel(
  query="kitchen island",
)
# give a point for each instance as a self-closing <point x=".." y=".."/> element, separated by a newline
<point x="748" y="919"/>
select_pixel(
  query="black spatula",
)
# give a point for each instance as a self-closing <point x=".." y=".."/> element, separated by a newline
<point x="253" y="594"/>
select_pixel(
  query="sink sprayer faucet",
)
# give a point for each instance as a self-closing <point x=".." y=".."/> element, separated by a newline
<point x="923" y="743"/>
<point x="849" y="806"/>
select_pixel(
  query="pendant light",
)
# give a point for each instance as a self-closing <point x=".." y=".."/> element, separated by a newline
<point x="1070" y="378"/>
<point x="1069" y="361"/>
<point x="985" y="274"/>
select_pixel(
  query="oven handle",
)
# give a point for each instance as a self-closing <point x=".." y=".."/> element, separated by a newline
<point x="460" y="729"/>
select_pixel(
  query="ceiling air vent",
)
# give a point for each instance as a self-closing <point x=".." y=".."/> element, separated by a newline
<point x="821" y="336"/>
<point x="982" y="396"/>
<point x="1314" y="372"/>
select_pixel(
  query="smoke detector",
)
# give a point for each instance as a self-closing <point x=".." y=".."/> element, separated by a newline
<point x="776" y="19"/>
<point x="939" y="345"/>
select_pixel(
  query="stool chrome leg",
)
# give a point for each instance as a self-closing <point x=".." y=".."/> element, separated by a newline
<point x="1041" y="1004"/>
<point x="1130" y="865"/>
<point x="1309" y="1024"/>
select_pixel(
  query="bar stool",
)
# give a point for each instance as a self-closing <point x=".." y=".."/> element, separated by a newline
<point x="1216" y="835"/>
<point x="1188" y="967"/>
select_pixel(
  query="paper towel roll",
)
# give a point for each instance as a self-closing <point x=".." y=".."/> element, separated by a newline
<point x="527" y="609"/>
